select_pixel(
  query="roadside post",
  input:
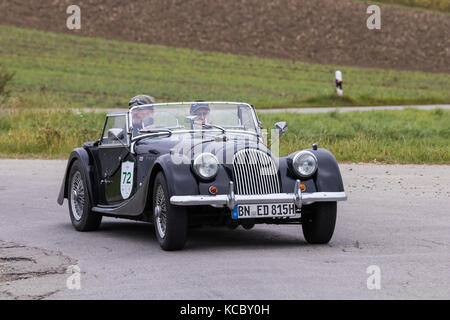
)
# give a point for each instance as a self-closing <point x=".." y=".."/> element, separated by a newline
<point x="339" y="90"/>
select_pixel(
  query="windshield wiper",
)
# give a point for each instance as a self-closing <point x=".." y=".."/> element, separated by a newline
<point x="209" y="126"/>
<point x="147" y="131"/>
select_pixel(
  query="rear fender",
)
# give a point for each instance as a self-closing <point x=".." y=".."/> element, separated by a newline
<point x="82" y="156"/>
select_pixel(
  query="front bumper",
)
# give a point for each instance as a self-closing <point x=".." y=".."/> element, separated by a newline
<point x="230" y="200"/>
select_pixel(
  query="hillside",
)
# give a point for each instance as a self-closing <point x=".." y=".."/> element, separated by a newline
<point x="320" y="31"/>
<point x="54" y="69"/>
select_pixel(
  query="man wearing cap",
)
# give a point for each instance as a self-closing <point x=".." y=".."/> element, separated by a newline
<point x="201" y="111"/>
<point x="142" y="118"/>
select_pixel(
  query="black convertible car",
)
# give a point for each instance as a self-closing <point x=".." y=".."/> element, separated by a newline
<point x="179" y="165"/>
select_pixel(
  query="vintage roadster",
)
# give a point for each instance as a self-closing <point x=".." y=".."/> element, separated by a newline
<point x="179" y="165"/>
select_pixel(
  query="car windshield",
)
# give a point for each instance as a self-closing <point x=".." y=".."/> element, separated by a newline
<point x="214" y="116"/>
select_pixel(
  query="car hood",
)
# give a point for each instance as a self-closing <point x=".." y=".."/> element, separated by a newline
<point x="191" y="145"/>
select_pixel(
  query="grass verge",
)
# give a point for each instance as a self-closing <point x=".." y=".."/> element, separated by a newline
<point x="406" y="136"/>
<point x="82" y="72"/>
<point x="46" y="134"/>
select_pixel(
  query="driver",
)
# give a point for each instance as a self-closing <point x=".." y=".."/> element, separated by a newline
<point x="142" y="118"/>
<point x="201" y="111"/>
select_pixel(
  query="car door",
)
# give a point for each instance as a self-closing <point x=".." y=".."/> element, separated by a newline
<point x="116" y="163"/>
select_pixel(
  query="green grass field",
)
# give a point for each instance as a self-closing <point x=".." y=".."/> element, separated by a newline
<point x="408" y="136"/>
<point x="58" y="70"/>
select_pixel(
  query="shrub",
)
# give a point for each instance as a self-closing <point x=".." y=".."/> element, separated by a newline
<point x="5" y="77"/>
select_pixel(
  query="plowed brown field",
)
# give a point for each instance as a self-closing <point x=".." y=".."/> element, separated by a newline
<point x="322" y="31"/>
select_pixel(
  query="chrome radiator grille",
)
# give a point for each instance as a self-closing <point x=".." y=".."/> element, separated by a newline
<point x="255" y="173"/>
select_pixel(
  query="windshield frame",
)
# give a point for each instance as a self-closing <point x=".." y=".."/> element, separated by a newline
<point x="234" y="131"/>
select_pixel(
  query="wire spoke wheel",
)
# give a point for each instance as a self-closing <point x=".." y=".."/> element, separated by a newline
<point x="77" y="196"/>
<point x="80" y="205"/>
<point x="170" y="222"/>
<point x="161" y="211"/>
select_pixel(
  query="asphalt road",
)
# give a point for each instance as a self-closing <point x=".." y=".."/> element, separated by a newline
<point x="396" y="218"/>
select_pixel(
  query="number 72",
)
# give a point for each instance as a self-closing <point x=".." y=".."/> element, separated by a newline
<point x="126" y="178"/>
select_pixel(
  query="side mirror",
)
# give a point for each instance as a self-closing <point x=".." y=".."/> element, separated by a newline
<point x="281" y="127"/>
<point x="190" y="119"/>
<point x="115" y="134"/>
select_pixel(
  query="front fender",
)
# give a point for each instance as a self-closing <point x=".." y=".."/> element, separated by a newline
<point x="81" y="155"/>
<point x="328" y="176"/>
<point x="179" y="177"/>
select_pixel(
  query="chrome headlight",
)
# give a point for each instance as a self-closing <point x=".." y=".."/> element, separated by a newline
<point x="206" y="165"/>
<point x="304" y="164"/>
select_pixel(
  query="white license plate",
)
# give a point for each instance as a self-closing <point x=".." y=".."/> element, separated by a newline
<point x="263" y="211"/>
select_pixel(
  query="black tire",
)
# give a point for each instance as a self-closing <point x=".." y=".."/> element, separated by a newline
<point x="172" y="218"/>
<point x="231" y="224"/>
<point x="81" y="215"/>
<point x="318" y="222"/>
<point x="247" y="224"/>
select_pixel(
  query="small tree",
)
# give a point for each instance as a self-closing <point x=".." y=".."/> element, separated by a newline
<point x="5" y="77"/>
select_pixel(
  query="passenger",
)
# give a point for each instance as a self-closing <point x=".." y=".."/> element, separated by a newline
<point x="201" y="111"/>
